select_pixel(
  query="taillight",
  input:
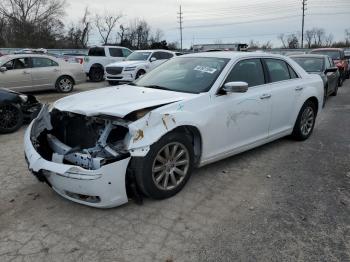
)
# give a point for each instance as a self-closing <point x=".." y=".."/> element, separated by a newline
<point x="80" y="60"/>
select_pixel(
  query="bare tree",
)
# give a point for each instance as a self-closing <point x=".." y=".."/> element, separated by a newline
<point x="319" y="36"/>
<point x="309" y="36"/>
<point x="347" y="36"/>
<point x="328" y="40"/>
<point x="283" y="40"/>
<point x="32" y="22"/>
<point x="105" y="25"/>
<point x="292" y="41"/>
<point x="266" y="45"/>
<point x="86" y="28"/>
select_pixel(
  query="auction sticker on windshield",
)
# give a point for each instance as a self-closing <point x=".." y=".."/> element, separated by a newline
<point x="205" y="69"/>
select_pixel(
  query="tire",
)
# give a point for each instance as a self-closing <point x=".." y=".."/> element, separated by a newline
<point x="305" y="124"/>
<point x="335" y="91"/>
<point x="11" y="118"/>
<point x="139" y="73"/>
<point x="96" y="74"/>
<point x="340" y="80"/>
<point x="154" y="166"/>
<point x="113" y="83"/>
<point x="325" y="96"/>
<point x="64" y="84"/>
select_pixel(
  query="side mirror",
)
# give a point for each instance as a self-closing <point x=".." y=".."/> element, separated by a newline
<point x="153" y="59"/>
<point x="235" y="87"/>
<point x="3" y="69"/>
<point x="331" y="70"/>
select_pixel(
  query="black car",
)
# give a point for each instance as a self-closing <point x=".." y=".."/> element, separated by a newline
<point x="324" y="66"/>
<point x="16" y="109"/>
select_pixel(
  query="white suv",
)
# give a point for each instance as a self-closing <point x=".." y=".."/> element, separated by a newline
<point x="136" y="64"/>
<point x="100" y="56"/>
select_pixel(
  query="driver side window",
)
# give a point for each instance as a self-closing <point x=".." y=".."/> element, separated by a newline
<point x="19" y="63"/>
<point x="249" y="71"/>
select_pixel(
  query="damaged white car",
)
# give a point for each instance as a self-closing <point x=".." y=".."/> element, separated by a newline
<point x="102" y="147"/>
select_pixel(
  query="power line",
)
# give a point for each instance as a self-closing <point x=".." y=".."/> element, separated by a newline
<point x="180" y="22"/>
<point x="302" y="23"/>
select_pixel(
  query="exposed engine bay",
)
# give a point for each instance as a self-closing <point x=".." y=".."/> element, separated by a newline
<point x="88" y="142"/>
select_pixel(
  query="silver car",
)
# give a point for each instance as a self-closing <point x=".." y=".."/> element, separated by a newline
<point x="29" y="72"/>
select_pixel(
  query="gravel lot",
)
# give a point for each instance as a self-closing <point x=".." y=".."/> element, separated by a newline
<point x="285" y="201"/>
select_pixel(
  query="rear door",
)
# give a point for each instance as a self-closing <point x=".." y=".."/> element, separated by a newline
<point x="286" y="88"/>
<point x="18" y="74"/>
<point x="45" y="72"/>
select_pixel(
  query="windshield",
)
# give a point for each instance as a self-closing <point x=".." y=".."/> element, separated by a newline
<point x="138" y="56"/>
<point x="335" y="55"/>
<point x="310" y="64"/>
<point x="185" y="74"/>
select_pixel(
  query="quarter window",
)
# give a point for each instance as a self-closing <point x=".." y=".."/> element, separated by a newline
<point x="43" y="62"/>
<point x="278" y="70"/>
<point x="249" y="71"/>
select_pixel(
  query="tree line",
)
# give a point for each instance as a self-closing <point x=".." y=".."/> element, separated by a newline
<point x="39" y="23"/>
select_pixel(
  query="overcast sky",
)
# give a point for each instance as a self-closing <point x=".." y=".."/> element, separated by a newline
<point x="209" y="21"/>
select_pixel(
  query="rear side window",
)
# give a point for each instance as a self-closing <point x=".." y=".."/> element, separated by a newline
<point x="277" y="69"/>
<point x="249" y="71"/>
<point x="42" y="62"/>
<point x="97" y="51"/>
<point x="116" y="52"/>
<point x="165" y="55"/>
<point x="126" y="52"/>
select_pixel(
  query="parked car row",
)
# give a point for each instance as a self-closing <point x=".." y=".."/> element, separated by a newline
<point x="144" y="138"/>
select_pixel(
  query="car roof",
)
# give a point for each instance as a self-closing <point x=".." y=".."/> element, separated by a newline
<point x="328" y="49"/>
<point x="309" y="56"/>
<point x="234" y="55"/>
<point x="14" y="56"/>
<point x="154" y="50"/>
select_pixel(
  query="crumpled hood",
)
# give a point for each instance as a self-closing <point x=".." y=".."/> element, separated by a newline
<point x="118" y="100"/>
<point x="127" y="63"/>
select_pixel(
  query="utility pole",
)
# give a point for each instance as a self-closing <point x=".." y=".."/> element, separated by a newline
<point x="181" y="23"/>
<point x="302" y="23"/>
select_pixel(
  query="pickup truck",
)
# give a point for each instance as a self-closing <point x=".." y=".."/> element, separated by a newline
<point x="100" y="56"/>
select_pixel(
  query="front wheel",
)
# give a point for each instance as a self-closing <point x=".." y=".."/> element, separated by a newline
<point x="165" y="170"/>
<point x="11" y="118"/>
<point x="305" y="122"/>
<point x="96" y="74"/>
<point x="64" y="84"/>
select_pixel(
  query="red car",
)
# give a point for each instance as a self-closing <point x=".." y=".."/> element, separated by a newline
<point x="339" y="59"/>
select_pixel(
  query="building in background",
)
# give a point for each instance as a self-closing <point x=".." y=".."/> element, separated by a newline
<point x="219" y="47"/>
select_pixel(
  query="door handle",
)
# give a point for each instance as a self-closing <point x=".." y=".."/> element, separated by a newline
<point x="265" y="96"/>
<point x="299" y="88"/>
<point x="56" y="70"/>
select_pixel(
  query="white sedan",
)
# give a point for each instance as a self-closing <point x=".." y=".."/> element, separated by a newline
<point x="136" y="65"/>
<point x="100" y="147"/>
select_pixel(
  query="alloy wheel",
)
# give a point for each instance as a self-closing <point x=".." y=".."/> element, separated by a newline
<point x="9" y="116"/>
<point x="170" y="166"/>
<point x="307" y="121"/>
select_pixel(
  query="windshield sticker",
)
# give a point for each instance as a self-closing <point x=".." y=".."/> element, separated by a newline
<point x="205" y="69"/>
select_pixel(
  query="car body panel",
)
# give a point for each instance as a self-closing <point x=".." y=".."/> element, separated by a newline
<point x="226" y="123"/>
<point x="31" y="79"/>
<point x="140" y="65"/>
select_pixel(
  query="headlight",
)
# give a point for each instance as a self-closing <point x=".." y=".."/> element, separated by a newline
<point x="24" y="98"/>
<point x="132" y="68"/>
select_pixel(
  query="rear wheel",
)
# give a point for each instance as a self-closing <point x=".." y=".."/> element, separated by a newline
<point x="11" y="118"/>
<point x="96" y="74"/>
<point x="165" y="170"/>
<point x="305" y="122"/>
<point x="64" y="84"/>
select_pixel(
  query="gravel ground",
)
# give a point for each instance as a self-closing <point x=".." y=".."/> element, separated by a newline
<point x="285" y="201"/>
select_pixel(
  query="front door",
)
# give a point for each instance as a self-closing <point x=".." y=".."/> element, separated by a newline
<point x="17" y="75"/>
<point x="241" y="119"/>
